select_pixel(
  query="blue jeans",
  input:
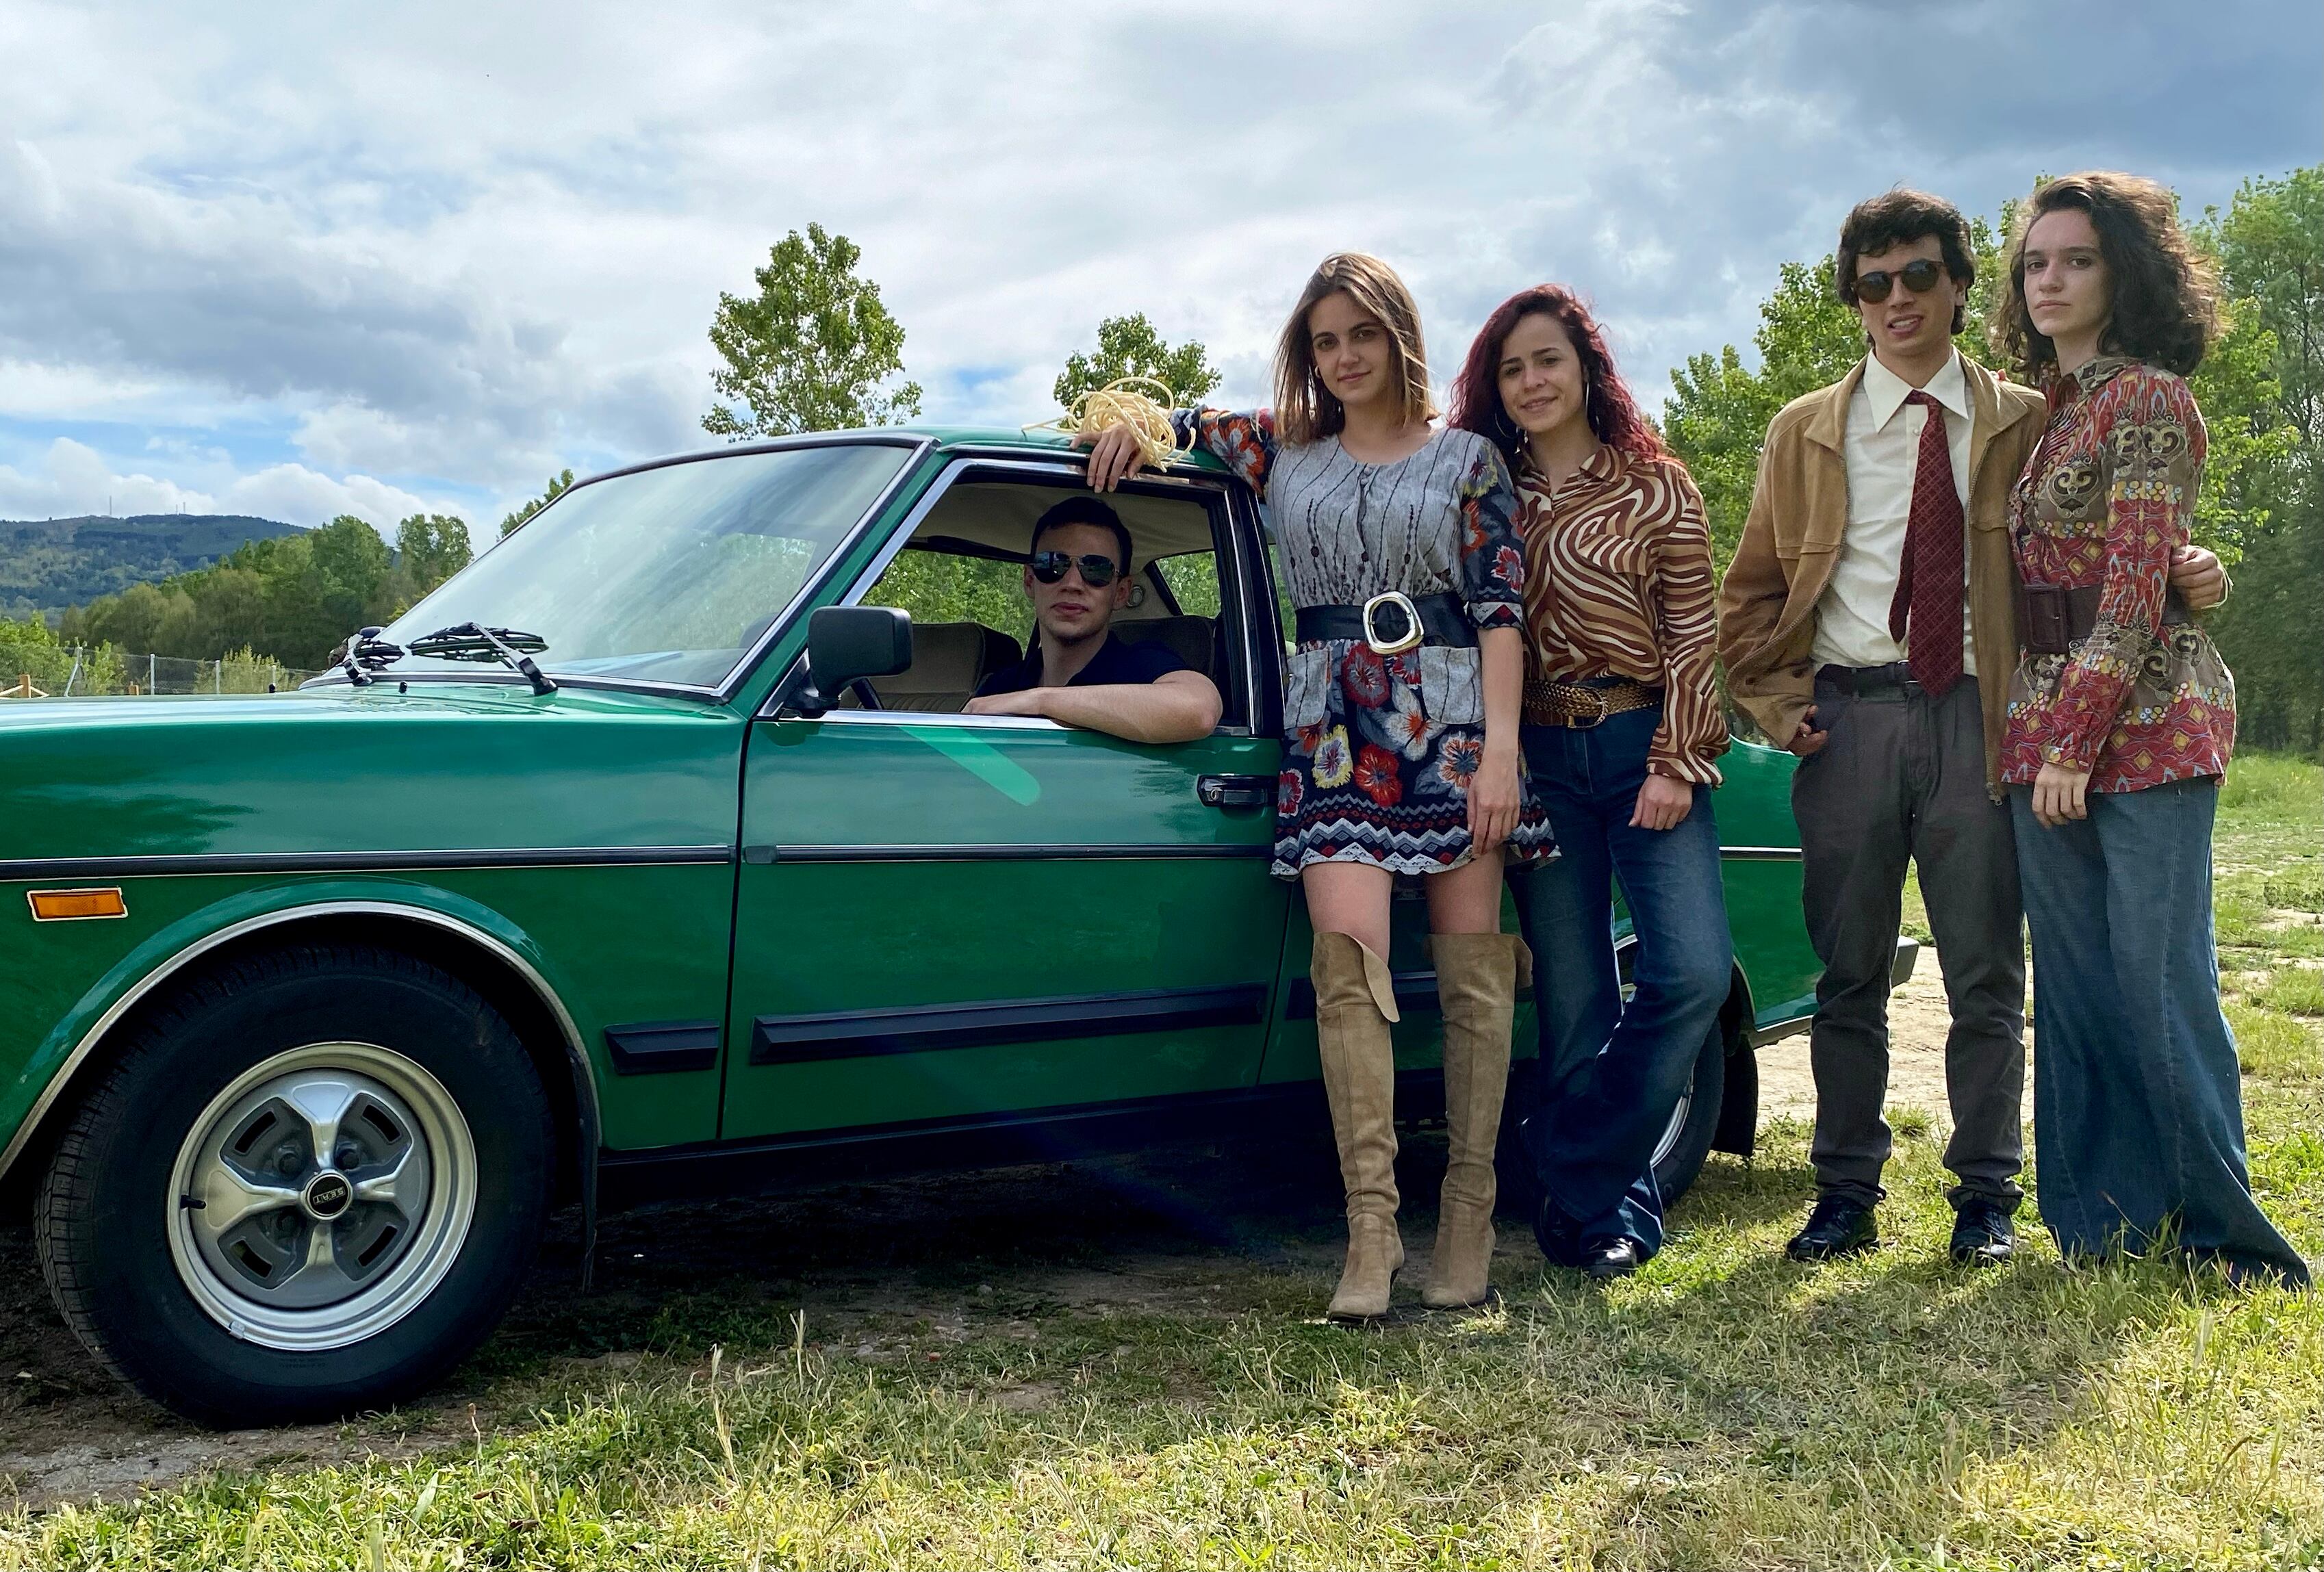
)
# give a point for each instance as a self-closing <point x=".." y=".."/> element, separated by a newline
<point x="1611" y="1074"/>
<point x="2138" y="1123"/>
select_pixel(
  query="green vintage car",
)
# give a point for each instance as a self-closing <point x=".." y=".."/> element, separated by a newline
<point x="668" y="864"/>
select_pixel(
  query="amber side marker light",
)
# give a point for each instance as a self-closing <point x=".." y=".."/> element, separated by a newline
<point x="61" y="906"/>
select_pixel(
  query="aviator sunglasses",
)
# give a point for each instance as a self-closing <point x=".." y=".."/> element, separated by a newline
<point x="1097" y="572"/>
<point x="1920" y="276"/>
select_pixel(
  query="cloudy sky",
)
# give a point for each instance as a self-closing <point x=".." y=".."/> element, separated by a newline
<point x="298" y="261"/>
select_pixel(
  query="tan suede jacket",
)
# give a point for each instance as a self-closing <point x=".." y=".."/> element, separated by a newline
<point x="1799" y="513"/>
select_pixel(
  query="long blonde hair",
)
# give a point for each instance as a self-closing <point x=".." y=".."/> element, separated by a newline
<point x="1305" y="410"/>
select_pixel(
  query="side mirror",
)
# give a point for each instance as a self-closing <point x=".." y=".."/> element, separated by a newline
<point x="846" y="643"/>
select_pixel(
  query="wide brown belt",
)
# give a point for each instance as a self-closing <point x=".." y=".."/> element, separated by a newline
<point x="2051" y="619"/>
<point x="1584" y="704"/>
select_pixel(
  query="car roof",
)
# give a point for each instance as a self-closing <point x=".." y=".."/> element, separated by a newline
<point x="1046" y="442"/>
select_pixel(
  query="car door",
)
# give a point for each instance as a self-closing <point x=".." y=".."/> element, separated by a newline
<point x="945" y="919"/>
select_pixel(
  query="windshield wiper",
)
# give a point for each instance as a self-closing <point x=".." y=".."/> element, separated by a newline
<point x="366" y="653"/>
<point x="474" y="641"/>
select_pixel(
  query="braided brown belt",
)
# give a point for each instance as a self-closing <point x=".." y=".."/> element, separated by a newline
<point x="1556" y="703"/>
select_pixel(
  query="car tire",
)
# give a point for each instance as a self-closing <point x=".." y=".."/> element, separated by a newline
<point x="204" y="1246"/>
<point x="1679" y="1155"/>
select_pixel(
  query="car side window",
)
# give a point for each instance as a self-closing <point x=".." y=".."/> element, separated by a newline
<point x="961" y="577"/>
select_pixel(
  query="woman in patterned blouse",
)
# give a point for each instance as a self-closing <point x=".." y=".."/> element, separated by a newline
<point x="1623" y="730"/>
<point x="1401" y="760"/>
<point x="2121" y="719"/>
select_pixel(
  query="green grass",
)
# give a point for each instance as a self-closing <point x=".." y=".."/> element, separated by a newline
<point x="1723" y="1408"/>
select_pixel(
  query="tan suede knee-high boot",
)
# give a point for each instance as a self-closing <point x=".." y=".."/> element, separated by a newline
<point x="1354" y="1003"/>
<point x="1476" y="983"/>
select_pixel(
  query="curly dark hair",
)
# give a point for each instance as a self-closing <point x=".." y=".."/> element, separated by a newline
<point x="1612" y="413"/>
<point x="1899" y="217"/>
<point x="2165" y="307"/>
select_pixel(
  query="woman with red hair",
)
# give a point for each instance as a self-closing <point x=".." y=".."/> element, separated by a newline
<point x="1622" y="729"/>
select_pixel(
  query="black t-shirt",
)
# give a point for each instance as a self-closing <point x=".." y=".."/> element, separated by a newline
<point x="1116" y="662"/>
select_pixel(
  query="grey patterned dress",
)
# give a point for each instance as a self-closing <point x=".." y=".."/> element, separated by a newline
<point x="1381" y="749"/>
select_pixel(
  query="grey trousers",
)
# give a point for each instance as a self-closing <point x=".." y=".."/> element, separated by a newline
<point x="1902" y="777"/>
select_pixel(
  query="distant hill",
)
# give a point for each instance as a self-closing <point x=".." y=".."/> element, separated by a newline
<point x="49" y="564"/>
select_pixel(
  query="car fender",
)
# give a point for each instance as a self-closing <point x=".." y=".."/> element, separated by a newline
<point x="73" y="1048"/>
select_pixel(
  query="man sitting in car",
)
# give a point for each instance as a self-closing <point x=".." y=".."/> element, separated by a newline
<point x="1079" y="672"/>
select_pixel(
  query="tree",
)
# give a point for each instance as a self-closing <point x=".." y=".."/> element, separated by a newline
<point x="557" y="486"/>
<point x="1128" y="346"/>
<point x="2262" y="393"/>
<point x="1717" y="412"/>
<point x="813" y="350"/>
<point x="430" y="547"/>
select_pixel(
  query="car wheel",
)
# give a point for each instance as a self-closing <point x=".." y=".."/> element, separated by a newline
<point x="1686" y="1139"/>
<point x="310" y="1185"/>
<point x="1679" y="1154"/>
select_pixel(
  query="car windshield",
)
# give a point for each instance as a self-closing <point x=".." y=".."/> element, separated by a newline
<point x="669" y="574"/>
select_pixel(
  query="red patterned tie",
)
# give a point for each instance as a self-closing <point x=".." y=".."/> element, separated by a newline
<point x="1928" y="582"/>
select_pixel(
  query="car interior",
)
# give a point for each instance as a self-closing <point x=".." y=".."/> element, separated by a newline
<point x="966" y="554"/>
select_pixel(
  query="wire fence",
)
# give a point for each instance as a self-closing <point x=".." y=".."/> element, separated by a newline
<point x="92" y="671"/>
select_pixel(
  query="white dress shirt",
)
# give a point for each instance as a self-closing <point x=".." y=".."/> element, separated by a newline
<point x="1882" y="449"/>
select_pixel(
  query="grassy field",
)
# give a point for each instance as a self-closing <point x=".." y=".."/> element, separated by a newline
<point x="1723" y="1409"/>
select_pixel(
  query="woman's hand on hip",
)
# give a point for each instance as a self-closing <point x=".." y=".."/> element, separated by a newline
<point x="2058" y="795"/>
<point x="1664" y="804"/>
<point x="1495" y="794"/>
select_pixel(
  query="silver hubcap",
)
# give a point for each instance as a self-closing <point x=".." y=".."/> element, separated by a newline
<point x="1624" y="955"/>
<point x="322" y="1196"/>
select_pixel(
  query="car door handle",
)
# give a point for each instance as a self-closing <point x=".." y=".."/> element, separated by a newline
<point x="1235" y="791"/>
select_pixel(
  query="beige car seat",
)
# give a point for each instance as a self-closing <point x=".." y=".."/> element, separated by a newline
<point x="950" y="660"/>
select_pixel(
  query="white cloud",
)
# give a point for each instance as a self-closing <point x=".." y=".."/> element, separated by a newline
<point x="72" y="478"/>
<point x="299" y="495"/>
<point x="435" y="248"/>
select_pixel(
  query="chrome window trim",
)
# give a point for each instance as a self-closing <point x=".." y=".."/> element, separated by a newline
<point x="930" y="718"/>
<point x="576" y="1052"/>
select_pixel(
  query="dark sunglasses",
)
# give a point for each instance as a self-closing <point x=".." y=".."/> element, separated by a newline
<point x="1097" y="572"/>
<point x="1920" y="276"/>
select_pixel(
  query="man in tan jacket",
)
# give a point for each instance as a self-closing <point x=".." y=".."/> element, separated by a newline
<point x="1869" y="625"/>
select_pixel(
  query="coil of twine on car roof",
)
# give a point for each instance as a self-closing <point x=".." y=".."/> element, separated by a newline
<point x="1123" y="401"/>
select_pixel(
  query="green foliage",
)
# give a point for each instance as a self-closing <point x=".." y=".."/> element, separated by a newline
<point x="557" y="485"/>
<point x="49" y="564"/>
<point x="2271" y="248"/>
<point x="811" y="351"/>
<point x="29" y="650"/>
<point x="1128" y="346"/>
<point x="290" y="599"/>
<point x="2262" y="393"/>
<point x="2247" y="465"/>
<point x="430" y="547"/>
<point x="938" y="587"/>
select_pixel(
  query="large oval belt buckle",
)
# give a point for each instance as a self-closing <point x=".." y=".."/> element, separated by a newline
<point x="1396" y="631"/>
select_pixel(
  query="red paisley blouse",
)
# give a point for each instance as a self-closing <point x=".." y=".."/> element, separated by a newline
<point x="2105" y="499"/>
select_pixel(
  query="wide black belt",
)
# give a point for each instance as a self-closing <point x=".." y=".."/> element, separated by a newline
<point x="1444" y="620"/>
<point x="2051" y="619"/>
<point x="1860" y="680"/>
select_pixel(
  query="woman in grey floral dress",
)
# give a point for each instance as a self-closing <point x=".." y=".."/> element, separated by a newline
<point x="1401" y="734"/>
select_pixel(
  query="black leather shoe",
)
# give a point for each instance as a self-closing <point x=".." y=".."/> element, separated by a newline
<point x="1983" y="1235"/>
<point x="1558" y="1236"/>
<point x="1607" y="1259"/>
<point x="1835" y="1229"/>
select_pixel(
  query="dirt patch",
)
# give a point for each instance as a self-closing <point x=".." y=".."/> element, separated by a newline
<point x="883" y="1273"/>
<point x="1918" y="1020"/>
